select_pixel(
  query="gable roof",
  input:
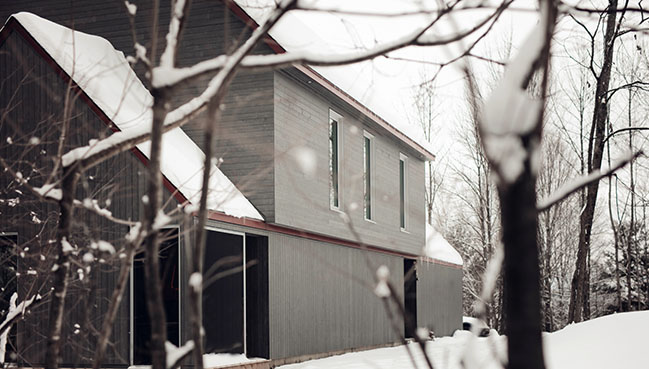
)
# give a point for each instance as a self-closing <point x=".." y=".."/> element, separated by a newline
<point x="104" y="75"/>
<point x="291" y="29"/>
<point x="439" y="249"/>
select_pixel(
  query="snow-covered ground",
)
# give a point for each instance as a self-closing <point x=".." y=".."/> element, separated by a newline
<point x="221" y="360"/>
<point x="614" y="341"/>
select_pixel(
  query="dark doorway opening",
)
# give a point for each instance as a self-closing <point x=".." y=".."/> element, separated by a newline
<point x="410" y="296"/>
<point x="8" y="286"/>
<point x="223" y="310"/>
<point x="169" y="273"/>
<point x="257" y="296"/>
<point x="235" y="303"/>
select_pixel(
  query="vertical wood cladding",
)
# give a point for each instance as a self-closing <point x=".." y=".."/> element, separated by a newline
<point x="32" y="100"/>
<point x="322" y="297"/>
<point x="302" y="199"/>
<point x="245" y="135"/>
<point x="439" y="298"/>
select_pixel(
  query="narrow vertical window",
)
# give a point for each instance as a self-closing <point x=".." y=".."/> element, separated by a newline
<point x="334" y="159"/>
<point x="403" y="168"/>
<point x="367" y="175"/>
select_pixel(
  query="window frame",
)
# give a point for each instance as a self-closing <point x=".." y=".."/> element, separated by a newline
<point x="403" y="192"/>
<point x="335" y="193"/>
<point x="368" y="186"/>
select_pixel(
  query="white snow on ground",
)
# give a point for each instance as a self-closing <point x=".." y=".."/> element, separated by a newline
<point x="438" y="248"/>
<point x="106" y="77"/>
<point x="220" y="360"/>
<point x="613" y="341"/>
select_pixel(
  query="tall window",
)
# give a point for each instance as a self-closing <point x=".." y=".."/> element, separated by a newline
<point x="368" y="159"/>
<point x="403" y="175"/>
<point x="334" y="159"/>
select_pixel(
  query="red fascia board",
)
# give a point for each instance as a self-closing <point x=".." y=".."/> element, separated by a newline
<point x="13" y="25"/>
<point x="331" y="87"/>
<point x="256" y="224"/>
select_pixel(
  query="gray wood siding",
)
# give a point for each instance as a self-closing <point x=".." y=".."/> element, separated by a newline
<point x="321" y="295"/>
<point x="32" y="96"/>
<point x="245" y="131"/>
<point x="322" y="299"/>
<point x="302" y="201"/>
<point x="439" y="298"/>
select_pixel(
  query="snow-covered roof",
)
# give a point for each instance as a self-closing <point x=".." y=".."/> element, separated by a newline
<point x="438" y="248"/>
<point x="294" y="33"/>
<point x="104" y="74"/>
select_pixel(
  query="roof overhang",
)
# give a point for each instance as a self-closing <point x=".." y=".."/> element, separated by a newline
<point x="331" y="87"/>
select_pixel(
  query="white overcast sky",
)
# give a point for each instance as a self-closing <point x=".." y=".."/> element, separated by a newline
<point x="386" y="85"/>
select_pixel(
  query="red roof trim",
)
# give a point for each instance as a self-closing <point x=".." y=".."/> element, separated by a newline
<point x="256" y="224"/>
<point x="13" y="25"/>
<point x="321" y="80"/>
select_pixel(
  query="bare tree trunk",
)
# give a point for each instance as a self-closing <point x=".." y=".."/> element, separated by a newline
<point x="115" y="302"/>
<point x="152" y="242"/>
<point x="431" y="194"/>
<point x="521" y="270"/>
<point x="630" y="241"/>
<point x="196" y="291"/>
<point x="547" y="281"/>
<point x="60" y="284"/>
<point x="580" y="282"/>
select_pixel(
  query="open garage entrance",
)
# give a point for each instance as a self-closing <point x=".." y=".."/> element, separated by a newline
<point x="235" y="293"/>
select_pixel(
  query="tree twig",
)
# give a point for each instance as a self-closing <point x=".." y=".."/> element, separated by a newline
<point x="568" y="189"/>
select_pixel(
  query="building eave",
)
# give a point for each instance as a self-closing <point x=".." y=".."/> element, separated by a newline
<point x="331" y="87"/>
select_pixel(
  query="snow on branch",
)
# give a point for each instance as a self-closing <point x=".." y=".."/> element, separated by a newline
<point x="14" y="314"/>
<point x="176" y="354"/>
<point x="166" y="76"/>
<point x="510" y="114"/>
<point x="131" y="8"/>
<point x="167" y="59"/>
<point x="583" y="181"/>
<point x="49" y="191"/>
<point x="99" y="150"/>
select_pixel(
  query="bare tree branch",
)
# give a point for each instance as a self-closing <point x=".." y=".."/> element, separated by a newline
<point x="566" y="190"/>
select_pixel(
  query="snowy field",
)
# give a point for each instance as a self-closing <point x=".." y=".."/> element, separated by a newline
<point x="611" y="342"/>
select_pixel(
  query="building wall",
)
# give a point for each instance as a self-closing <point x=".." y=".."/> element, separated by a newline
<point x="302" y="199"/>
<point x="321" y="295"/>
<point x="32" y="101"/>
<point x="32" y="96"/>
<point x="322" y="299"/>
<point x="439" y="298"/>
<point x="245" y="128"/>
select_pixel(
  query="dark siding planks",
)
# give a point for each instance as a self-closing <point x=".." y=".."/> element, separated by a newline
<point x="439" y="298"/>
<point x="31" y="104"/>
<point x="245" y="131"/>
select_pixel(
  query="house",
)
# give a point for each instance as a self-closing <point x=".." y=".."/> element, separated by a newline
<point x="314" y="192"/>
